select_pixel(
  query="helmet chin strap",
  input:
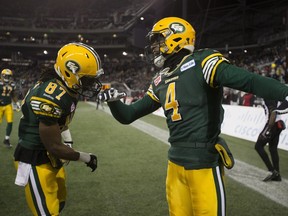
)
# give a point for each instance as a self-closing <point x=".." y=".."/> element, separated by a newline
<point x="159" y="61"/>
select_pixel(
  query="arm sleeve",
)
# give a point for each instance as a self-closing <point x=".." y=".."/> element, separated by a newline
<point x="126" y="114"/>
<point x="237" y="78"/>
<point x="66" y="136"/>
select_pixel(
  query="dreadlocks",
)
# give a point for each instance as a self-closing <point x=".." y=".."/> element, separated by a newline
<point x="47" y="74"/>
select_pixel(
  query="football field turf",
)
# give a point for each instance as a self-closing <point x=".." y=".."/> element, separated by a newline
<point x="130" y="179"/>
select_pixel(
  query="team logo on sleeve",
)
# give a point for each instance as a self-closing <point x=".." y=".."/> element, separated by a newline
<point x="44" y="107"/>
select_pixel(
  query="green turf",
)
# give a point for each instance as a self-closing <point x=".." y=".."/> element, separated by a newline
<point x="244" y="150"/>
<point x="130" y="179"/>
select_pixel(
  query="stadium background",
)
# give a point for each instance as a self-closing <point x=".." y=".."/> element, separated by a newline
<point x="253" y="34"/>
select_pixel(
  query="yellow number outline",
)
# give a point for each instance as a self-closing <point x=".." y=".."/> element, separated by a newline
<point x="172" y="103"/>
<point x="51" y="87"/>
<point x="6" y="90"/>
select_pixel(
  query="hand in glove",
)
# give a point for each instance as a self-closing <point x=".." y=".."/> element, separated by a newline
<point x="110" y="95"/>
<point x="93" y="162"/>
<point x="89" y="159"/>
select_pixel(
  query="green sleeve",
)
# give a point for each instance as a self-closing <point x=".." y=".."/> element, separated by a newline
<point x="238" y="78"/>
<point x="126" y="114"/>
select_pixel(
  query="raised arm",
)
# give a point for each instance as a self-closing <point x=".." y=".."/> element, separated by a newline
<point x="126" y="114"/>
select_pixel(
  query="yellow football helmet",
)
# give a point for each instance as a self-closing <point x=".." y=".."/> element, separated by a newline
<point x="168" y="36"/>
<point x="6" y="75"/>
<point x="79" y="66"/>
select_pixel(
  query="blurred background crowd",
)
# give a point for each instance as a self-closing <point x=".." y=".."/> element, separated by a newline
<point x="253" y="35"/>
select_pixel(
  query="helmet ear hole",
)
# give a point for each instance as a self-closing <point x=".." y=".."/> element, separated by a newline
<point x="177" y="39"/>
<point x="67" y="74"/>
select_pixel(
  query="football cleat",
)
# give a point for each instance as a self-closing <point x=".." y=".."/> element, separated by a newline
<point x="273" y="176"/>
<point x="7" y="143"/>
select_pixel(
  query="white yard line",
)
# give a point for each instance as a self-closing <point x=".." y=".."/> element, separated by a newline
<point x="248" y="175"/>
<point x="252" y="176"/>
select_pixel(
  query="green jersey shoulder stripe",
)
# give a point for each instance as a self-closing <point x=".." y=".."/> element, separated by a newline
<point x="210" y="64"/>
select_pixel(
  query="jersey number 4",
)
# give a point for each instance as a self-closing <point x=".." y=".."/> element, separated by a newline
<point x="172" y="103"/>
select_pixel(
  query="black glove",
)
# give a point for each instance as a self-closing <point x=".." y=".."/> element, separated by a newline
<point x="93" y="162"/>
<point x="111" y="94"/>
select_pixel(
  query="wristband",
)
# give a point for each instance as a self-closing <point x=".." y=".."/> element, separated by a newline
<point x="66" y="135"/>
<point x="84" y="157"/>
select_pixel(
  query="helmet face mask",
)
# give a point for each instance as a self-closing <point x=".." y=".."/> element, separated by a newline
<point x="91" y="86"/>
<point x="6" y="75"/>
<point x="75" y="64"/>
<point x="154" y="51"/>
<point x="172" y="35"/>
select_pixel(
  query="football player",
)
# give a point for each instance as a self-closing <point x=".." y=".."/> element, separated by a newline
<point x="44" y="135"/>
<point x="8" y="95"/>
<point x="189" y="87"/>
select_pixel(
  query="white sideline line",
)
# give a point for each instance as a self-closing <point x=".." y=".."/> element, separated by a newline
<point x="246" y="174"/>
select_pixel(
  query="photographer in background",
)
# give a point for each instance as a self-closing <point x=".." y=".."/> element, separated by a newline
<point x="270" y="134"/>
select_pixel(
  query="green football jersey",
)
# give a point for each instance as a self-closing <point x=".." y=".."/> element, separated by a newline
<point x="48" y="102"/>
<point x="191" y="97"/>
<point x="6" y="92"/>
